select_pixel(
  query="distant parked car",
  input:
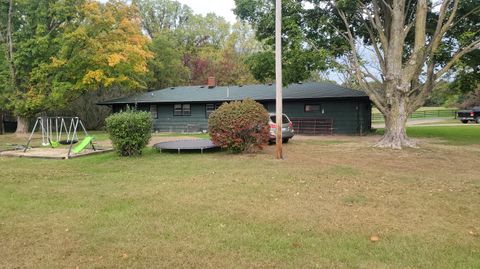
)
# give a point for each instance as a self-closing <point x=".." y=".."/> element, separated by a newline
<point x="469" y="115"/>
<point x="287" y="128"/>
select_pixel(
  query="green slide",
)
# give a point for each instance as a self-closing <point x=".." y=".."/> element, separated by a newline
<point x="87" y="140"/>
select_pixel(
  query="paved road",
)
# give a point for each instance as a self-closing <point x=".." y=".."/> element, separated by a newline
<point x="425" y="122"/>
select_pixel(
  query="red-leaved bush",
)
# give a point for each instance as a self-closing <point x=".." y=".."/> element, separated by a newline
<point x="240" y="126"/>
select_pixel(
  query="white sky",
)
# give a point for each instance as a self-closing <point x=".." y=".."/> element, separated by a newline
<point x="220" y="7"/>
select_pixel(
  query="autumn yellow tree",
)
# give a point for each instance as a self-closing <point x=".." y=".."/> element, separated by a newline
<point x="82" y="46"/>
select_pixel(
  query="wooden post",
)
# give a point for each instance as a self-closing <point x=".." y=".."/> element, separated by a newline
<point x="278" y="77"/>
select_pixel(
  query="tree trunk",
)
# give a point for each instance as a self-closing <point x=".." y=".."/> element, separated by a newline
<point x="395" y="136"/>
<point x="2" y="126"/>
<point x="22" y="126"/>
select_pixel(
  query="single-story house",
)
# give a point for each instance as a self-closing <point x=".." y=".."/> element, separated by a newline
<point x="314" y="108"/>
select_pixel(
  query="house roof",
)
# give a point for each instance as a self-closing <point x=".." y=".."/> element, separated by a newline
<point x="260" y="92"/>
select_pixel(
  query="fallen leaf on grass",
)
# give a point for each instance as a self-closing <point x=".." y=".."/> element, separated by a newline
<point x="374" y="238"/>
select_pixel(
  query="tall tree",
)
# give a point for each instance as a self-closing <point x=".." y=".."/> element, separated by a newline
<point x="205" y="45"/>
<point x="28" y="35"/>
<point x="4" y="89"/>
<point x="167" y="66"/>
<point x="299" y="58"/>
<point x="58" y="49"/>
<point x="414" y="44"/>
<point x="160" y="15"/>
<point x="466" y="72"/>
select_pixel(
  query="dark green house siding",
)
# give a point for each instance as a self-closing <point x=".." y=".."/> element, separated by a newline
<point x="349" y="116"/>
<point x="167" y="122"/>
<point x="343" y="110"/>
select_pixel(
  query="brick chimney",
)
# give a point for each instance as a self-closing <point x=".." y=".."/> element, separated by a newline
<point x="211" y="82"/>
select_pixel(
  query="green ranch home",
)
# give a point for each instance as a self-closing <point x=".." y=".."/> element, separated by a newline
<point x="314" y="108"/>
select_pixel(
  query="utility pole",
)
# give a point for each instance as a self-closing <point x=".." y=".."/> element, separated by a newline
<point x="278" y="77"/>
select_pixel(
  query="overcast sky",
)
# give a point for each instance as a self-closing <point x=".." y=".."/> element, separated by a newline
<point x="220" y="7"/>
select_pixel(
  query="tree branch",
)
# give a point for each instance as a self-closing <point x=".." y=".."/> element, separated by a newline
<point x="375" y="18"/>
<point x="374" y="95"/>
<point x="442" y="27"/>
<point x="387" y="5"/>
<point x="474" y="45"/>
<point x="425" y="91"/>
<point x="380" y="57"/>
<point x="415" y="62"/>
<point x="9" y="40"/>
<point x="477" y="9"/>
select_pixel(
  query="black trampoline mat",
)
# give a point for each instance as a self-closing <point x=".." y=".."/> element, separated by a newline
<point x="193" y="144"/>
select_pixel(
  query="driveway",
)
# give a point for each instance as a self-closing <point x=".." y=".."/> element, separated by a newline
<point x="424" y="122"/>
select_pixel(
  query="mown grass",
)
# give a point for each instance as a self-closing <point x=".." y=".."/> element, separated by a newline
<point x="315" y="209"/>
<point x="453" y="135"/>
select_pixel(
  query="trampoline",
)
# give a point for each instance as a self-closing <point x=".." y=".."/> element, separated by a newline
<point x="186" y="145"/>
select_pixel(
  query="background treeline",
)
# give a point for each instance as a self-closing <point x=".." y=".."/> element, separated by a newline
<point x="63" y="56"/>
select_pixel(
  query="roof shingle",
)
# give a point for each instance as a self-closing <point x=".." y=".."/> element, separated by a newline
<point x="260" y="92"/>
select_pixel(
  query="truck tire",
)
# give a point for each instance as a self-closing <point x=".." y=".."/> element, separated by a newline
<point x="464" y="121"/>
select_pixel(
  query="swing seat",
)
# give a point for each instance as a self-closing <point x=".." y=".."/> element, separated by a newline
<point x="68" y="142"/>
<point x="54" y="144"/>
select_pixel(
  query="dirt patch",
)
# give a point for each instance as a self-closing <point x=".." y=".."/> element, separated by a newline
<point x="52" y="153"/>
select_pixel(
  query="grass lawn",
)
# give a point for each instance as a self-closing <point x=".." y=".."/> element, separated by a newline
<point x="468" y="134"/>
<point x="315" y="209"/>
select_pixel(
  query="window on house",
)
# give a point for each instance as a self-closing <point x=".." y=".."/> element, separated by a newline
<point x="186" y="110"/>
<point x="154" y="111"/>
<point x="182" y="110"/>
<point x="312" y="108"/>
<point x="144" y="108"/>
<point x="209" y="108"/>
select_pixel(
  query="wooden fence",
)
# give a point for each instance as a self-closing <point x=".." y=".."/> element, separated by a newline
<point x="440" y="113"/>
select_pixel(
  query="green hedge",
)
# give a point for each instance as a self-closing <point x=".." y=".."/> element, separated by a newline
<point x="239" y="126"/>
<point x="130" y="131"/>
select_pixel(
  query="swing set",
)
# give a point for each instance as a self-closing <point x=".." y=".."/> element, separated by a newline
<point x="58" y="131"/>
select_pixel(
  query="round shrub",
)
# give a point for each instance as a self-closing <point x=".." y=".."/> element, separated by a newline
<point x="239" y="126"/>
<point x="130" y="131"/>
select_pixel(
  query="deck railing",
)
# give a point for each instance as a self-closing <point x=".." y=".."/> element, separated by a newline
<point x="308" y="126"/>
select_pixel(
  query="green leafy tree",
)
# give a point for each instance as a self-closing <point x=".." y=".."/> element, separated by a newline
<point x="189" y="48"/>
<point x="227" y="64"/>
<point x="167" y="66"/>
<point x="300" y="57"/>
<point x="56" y="50"/>
<point x="466" y="72"/>
<point x="159" y="16"/>
<point x="29" y="35"/>
<point x="414" y="45"/>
